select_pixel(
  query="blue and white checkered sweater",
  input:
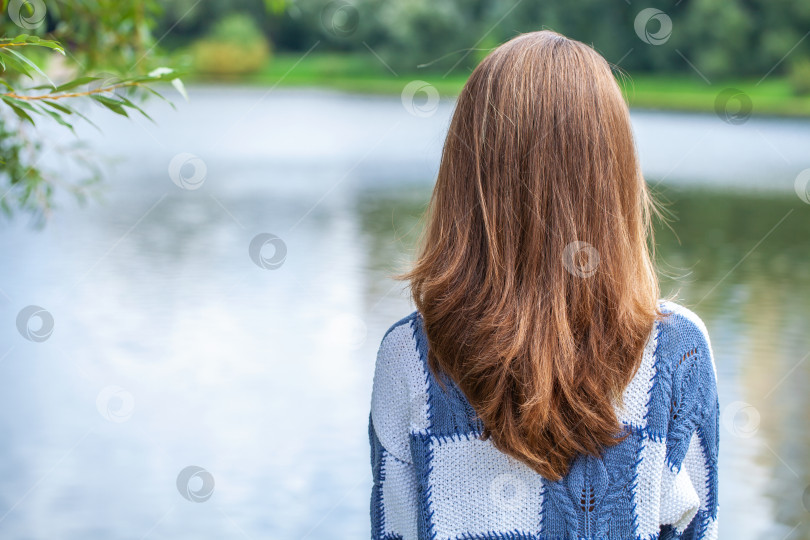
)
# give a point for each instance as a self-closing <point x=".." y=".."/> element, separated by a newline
<point x="433" y="478"/>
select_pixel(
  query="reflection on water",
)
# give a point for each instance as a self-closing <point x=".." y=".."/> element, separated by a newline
<point x="744" y="266"/>
<point x="171" y="349"/>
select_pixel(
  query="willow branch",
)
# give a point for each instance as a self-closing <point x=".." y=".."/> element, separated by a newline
<point x="70" y="94"/>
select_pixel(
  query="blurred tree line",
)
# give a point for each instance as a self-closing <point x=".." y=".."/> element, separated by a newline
<point x="59" y="56"/>
<point x="721" y="38"/>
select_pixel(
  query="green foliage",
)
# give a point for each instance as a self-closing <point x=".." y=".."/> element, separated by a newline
<point x="719" y="38"/>
<point x="186" y="21"/>
<point x="101" y="33"/>
<point x="98" y="33"/>
<point x="723" y="29"/>
<point x="235" y="46"/>
<point x="715" y="39"/>
<point x="236" y="28"/>
<point x="414" y="28"/>
<point x="800" y="76"/>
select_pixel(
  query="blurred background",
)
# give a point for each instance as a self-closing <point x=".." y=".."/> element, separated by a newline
<point x="203" y="202"/>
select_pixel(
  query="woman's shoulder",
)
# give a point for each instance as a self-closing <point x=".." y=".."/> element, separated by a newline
<point x="399" y="353"/>
<point x="680" y="318"/>
<point x="682" y="341"/>
<point x="399" y="387"/>
<point x="399" y="342"/>
<point x="406" y="322"/>
<point x="682" y="333"/>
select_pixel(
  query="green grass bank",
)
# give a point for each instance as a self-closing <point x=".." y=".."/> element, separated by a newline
<point x="366" y="74"/>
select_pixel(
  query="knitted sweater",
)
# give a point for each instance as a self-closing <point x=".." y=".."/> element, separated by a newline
<point x="433" y="478"/>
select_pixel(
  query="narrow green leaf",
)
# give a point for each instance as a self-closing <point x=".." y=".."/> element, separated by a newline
<point x="113" y="105"/>
<point x="74" y="83"/>
<point x="10" y="61"/>
<point x="55" y="45"/>
<point x="32" y="65"/>
<point x="131" y="105"/>
<point x="180" y="87"/>
<point x="17" y="110"/>
<point x="35" y="41"/>
<point x="158" y="94"/>
<point x="58" y="106"/>
<point x="58" y="117"/>
<point x="22" y="104"/>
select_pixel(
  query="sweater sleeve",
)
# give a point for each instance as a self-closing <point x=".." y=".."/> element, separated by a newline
<point x="394" y="503"/>
<point x="393" y="493"/>
<point x="689" y="483"/>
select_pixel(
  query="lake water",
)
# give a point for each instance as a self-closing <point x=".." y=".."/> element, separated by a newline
<point x="172" y="348"/>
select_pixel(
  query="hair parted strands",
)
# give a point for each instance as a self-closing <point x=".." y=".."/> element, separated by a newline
<point x="539" y="160"/>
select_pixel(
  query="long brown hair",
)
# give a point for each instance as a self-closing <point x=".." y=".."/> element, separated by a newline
<point x="535" y="279"/>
